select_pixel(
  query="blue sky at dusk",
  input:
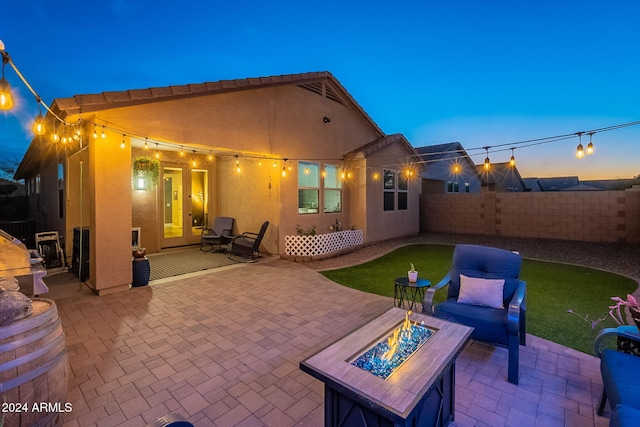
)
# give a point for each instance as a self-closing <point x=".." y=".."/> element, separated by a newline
<point x="482" y="73"/>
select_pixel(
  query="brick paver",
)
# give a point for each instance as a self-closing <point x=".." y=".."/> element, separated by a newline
<point x="223" y="348"/>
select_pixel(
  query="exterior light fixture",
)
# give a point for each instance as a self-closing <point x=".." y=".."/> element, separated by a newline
<point x="210" y="155"/>
<point x="193" y="161"/>
<point x="237" y="163"/>
<point x="157" y="152"/>
<point x="104" y="135"/>
<point x="146" y="145"/>
<point x="54" y="135"/>
<point x="580" y="148"/>
<point x="376" y="176"/>
<point x="590" y="145"/>
<point x="284" y="168"/>
<point x="181" y="151"/>
<point x="512" y="161"/>
<point x="95" y="132"/>
<point x="122" y="144"/>
<point x="275" y="164"/>
<point x="456" y="168"/>
<point x="38" y="125"/>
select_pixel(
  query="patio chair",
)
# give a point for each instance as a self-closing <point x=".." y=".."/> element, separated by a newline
<point x="219" y="235"/>
<point x="247" y="244"/>
<point x="484" y="292"/>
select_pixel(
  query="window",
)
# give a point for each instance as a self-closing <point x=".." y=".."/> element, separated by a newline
<point x="403" y="194"/>
<point x="453" y="187"/>
<point x="38" y="199"/>
<point x="396" y="191"/>
<point x="308" y="187"/>
<point x="332" y="189"/>
<point x="389" y="185"/>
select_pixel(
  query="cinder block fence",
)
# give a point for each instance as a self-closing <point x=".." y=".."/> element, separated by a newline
<point x="590" y="216"/>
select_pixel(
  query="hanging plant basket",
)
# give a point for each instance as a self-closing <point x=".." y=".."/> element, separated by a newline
<point x="146" y="172"/>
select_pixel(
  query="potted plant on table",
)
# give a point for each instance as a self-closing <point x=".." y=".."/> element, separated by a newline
<point x="412" y="273"/>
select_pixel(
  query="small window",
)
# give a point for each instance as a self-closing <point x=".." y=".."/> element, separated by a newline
<point x="308" y="187"/>
<point x="332" y="189"/>
<point x="389" y="185"/>
<point x="403" y="194"/>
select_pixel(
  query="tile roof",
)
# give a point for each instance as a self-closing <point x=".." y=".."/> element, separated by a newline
<point x="312" y="81"/>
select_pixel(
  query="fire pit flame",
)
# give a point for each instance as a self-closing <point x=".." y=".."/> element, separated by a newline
<point x="385" y="357"/>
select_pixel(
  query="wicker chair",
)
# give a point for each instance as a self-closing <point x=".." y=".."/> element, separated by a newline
<point x="219" y="235"/>
<point x="247" y="244"/>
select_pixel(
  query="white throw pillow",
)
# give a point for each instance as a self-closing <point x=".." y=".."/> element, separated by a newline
<point x="477" y="291"/>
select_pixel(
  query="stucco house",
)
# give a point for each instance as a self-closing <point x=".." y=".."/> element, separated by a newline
<point x="296" y="150"/>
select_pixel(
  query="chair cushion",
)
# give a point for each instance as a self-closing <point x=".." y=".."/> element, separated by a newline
<point x="487" y="263"/>
<point x="619" y="378"/>
<point x="625" y="416"/>
<point x="477" y="291"/>
<point x="490" y="323"/>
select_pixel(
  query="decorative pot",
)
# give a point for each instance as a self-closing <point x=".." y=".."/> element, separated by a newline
<point x="635" y="315"/>
<point x="139" y="252"/>
<point x="413" y="276"/>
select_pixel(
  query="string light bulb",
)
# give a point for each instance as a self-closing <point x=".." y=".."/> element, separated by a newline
<point x="275" y="164"/>
<point x="512" y="160"/>
<point x="6" y="101"/>
<point x="122" y="144"/>
<point x="181" y="150"/>
<point x="580" y="149"/>
<point x="193" y="160"/>
<point x="487" y="162"/>
<point x="103" y="135"/>
<point x="95" y="132"/>
<point x="38" y="125"/>
<point x="590" y="145"/>
<point x="456" y="168"/>
<point x="146" y="145"/>
<point x="284" y="168"/>
<point x="157" y="151"/>
<point x="54" y="135"/>
<point x="238" y="170"/>
<point x="210" y="155"/>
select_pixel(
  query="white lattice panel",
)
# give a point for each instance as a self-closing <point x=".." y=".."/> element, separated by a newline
<point x="322" y="243"/>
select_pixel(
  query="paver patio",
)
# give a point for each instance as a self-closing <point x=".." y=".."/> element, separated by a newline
<point x="222" y="348"/>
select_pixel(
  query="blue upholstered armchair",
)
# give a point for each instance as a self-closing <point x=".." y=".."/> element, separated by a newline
<point x="484" y="292"/>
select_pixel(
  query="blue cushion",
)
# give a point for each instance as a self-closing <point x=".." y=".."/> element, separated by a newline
<point x="625" y="416"/>
<point x="619" y="378"/>
<point x="487" y="263"/>
<point x="490" y="323"/>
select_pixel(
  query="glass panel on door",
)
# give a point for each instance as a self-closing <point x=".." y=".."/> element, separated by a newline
<point x="173" y="209"/>
<point x="199" y="201"/>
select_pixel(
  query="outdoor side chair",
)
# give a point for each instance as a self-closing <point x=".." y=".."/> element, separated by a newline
<point x="484" y="292"/>
<point x="218" y="235"/>
<point x="247" y="244"/>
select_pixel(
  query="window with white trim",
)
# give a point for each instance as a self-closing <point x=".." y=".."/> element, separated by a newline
<point x="308" y="187"/>
<point x="332" y="189"/>
<point x="389" y="187"/>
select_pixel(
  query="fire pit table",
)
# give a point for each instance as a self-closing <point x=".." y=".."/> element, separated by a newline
<point x="397" y="370"/>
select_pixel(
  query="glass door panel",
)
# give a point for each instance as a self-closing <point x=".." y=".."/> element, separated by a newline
<point x="199" y="202"/>
<point x="173" y="203"/>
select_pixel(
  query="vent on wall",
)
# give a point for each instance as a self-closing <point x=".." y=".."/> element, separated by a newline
<point x="330" y="93"/>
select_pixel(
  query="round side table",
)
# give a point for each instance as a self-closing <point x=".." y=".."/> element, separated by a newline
<point x="409" y="292"/>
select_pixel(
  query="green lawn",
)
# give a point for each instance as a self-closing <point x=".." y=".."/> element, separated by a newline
<point x="552" y="290"/>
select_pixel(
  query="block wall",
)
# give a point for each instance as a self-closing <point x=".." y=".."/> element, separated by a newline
<point x="590" y="216"/>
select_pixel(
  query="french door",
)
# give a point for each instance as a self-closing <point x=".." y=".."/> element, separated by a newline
<point x="185" y="204"/>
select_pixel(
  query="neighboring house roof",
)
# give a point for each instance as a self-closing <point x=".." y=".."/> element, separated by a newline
<point x="439" y="153"/>
<point x="582" y="187"/>
<point x="531" y="184"/>
<point x="503" y="176"/>
<point x="11" y="188"/>
<point x="558" y="183"/>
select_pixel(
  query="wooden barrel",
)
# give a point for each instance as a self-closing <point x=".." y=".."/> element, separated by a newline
<point x="34" y="368"/>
